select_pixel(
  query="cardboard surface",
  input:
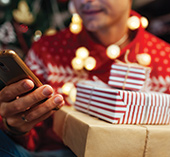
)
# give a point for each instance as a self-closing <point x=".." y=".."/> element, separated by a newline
<point x="88" y="136"/>
<point x="158" y="144"/>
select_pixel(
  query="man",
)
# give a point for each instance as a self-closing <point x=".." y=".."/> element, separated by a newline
<point x="105" y="23"/>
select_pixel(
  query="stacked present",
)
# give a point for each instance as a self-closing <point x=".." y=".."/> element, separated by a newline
<point x="123" y="107"/>
<point x="132" y="106"/>
<point x="129" y="77"/>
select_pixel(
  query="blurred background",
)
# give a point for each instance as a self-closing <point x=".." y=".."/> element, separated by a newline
<point x="24" y="21"/>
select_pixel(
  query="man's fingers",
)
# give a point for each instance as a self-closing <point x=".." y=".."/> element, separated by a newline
<point x="12" y="91"/>
<point x="40" y="110"/>
<point x="26" y="120"/>
<point x="25" y="102"/>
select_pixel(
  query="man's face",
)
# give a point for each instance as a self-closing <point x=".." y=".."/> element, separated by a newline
<point x="101" y="14"/>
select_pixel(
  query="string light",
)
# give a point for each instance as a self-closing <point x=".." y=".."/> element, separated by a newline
<point x="83" y="60"/>
<point x="144" y="22"/>
<point x="90" y="63"/>
<point x="75" y="28"/>
<point x="76" y="24"/>
<point x="82" y="53"/>
<point x="143" y="59"/>
<point x="76" y="19"/>
<point x="113" y="51"/>
<point x="77" y="63"/>
<point x="133" y="22"/>
<point x="72" y="94"/>
<point x="66" y="88"/>
<point x="70" y="90"/>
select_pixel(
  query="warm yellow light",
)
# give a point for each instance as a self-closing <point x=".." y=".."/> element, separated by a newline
<point x="77" y="63"/>
<point x="144" y="22"/>
<point x="38" y="32"/>
<point x="90" y="63"/>
<point x="75" y="28"/>
<point x="22" y="14"/>
<point x="113" y="51"/>
<point x="72" y="94"/>
<point x="37" y="35"/>
<point x="82" y="53"/>
<point x="143" y="59"/>
<point x="76" y="19"/>
<point x="133" y="22"/>
<point x="50" y="31"/>
<point x="66" y="88"/>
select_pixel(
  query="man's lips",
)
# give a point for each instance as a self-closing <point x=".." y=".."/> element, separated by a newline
<point x="90" y="12"/>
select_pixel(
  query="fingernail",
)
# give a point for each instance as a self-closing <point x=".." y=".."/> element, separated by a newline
<point x="47" y="91"/>
<point x="28" y="85"/>
<point x="58" y="99"/>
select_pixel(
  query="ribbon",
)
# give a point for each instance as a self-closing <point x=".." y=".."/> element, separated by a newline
<point x="89" y="103"/>
<point x="129" y="65"/>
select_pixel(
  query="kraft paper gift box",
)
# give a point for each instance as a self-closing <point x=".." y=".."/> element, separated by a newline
<point x="129" y="76"/>
<point x="122" y="107"/>
<point x="88" y="136"/>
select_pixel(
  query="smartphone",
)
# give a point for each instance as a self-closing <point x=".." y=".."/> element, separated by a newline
<point x="13" y="69"/>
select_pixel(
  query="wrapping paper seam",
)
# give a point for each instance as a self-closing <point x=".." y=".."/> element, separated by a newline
<point x="64" y="131"/>
<point x="146" y="140"/>
<point x="64" y="126"/>
<point x="124" y="83"/>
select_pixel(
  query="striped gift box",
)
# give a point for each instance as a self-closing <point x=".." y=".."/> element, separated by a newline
<point x="127" y="76"/>
<point x="123" y="107"/>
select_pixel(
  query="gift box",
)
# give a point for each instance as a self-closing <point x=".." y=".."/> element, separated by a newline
<point x="122" y="107"/>
<point x="88" y="136"/>
<point x="129" y="76"/>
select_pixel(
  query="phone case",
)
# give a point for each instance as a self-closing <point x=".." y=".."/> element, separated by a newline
<point x="13" y="69"/>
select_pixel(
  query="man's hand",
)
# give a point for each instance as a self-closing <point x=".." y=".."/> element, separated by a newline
<point x="23" y="109"/>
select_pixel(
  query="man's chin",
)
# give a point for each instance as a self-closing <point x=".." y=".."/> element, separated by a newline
<point x="92" y="27"/>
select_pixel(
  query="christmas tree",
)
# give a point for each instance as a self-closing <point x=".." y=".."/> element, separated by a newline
<point x="24" y="21"/>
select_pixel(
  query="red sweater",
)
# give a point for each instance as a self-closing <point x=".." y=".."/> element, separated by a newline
<point x="50" y="59"/>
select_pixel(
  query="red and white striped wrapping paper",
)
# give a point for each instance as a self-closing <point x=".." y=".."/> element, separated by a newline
<point x="130" y="77"/>
<point x="123" y="107"/>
